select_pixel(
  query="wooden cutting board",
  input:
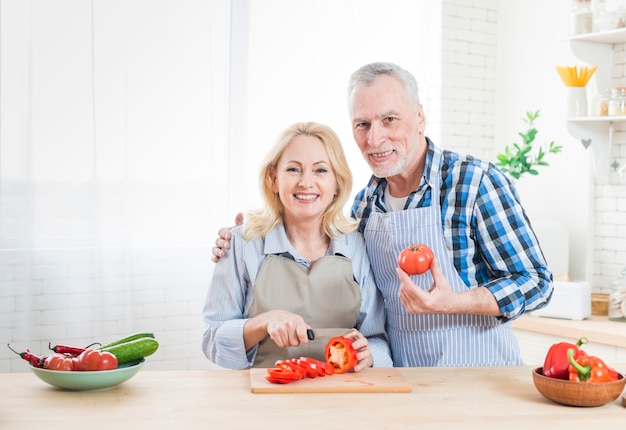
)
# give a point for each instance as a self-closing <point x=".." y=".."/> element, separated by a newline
<point x="372" y="380"/>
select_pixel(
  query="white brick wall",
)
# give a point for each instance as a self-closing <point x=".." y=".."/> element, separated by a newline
<point x="610" y="200"/>
<point x="79" y="296"/>
<point x="468" y="46"/>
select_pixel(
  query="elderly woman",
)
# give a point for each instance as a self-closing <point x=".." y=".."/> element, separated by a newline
<point x="295" y="265"/>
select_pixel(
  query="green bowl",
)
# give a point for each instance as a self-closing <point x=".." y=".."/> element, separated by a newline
<point x="87" y="381"/>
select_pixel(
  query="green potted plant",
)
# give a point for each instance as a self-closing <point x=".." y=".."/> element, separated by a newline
<point x="519" y="159"/>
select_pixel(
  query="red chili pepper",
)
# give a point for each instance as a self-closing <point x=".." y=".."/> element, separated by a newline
<point x="340" y="354"/>
<point x="64" y="349"/>
<point x="556" y="364"/>
<point x="33" y="359"/>
<point x="588" y="369"/>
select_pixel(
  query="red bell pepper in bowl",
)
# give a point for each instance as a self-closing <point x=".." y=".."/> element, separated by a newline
<point x="556" y="364"/>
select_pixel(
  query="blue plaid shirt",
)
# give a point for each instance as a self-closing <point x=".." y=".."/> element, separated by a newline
<point x="486" y="230"/>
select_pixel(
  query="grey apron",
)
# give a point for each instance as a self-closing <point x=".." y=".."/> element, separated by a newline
<point x="325" y="295"/>
<point x="431" y="339"/>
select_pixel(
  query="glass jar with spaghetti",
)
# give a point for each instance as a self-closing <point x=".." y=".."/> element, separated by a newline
<point x="602" y="102"/>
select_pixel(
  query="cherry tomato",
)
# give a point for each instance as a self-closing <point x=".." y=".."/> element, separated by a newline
<point x="415" y="259"/>
<point x="63" y="362"/>
<point x="92" y="359"/>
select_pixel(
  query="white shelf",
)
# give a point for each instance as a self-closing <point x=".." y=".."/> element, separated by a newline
<point x="600" y="119"/>
<point x="596" y="132"/>
<point x="609" y="37"/>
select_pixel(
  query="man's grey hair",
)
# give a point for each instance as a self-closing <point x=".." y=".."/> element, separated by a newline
<point x="365" y="75"/>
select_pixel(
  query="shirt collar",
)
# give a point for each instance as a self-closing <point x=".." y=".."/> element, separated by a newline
<point x="276" y="242"/>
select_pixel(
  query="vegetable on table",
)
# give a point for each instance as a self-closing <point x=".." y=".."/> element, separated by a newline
<point x="340" y="358"/>
<point x="286" y="371"/>
<point x="415" y="259"/>
<point x="64" y="362"/>
<point x="283" y="375"/>
<point x="130" y="338"/>
<point x="121" y="353"/>
<point x="93" y="360"/>
<point x="64" y="349"/>
<point x="556" y="365"/>
<point x="132" y="350"/>
<point x="321" y="367"/>
<point x="340" y="354"/>
<point x="33" y="359"/>
<point x="587" y="368"/>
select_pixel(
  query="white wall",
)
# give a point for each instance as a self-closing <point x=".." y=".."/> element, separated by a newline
<point x="298" y="56"/>
<point x="532" y="41"/>
<point x="112" y="152"/>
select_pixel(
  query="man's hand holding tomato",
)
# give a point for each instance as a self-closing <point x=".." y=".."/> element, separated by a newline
<point x="440" y="299"/>
<point x="415" y="259"/>
<point x="437" y="300"/>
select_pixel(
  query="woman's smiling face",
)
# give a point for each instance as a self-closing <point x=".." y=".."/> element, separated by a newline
<point x="304" y="179"/>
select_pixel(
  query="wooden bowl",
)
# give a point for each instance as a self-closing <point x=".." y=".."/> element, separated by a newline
<point x="578" y="393"/>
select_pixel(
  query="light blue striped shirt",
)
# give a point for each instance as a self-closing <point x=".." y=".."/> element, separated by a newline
<point x="231" y="292"/>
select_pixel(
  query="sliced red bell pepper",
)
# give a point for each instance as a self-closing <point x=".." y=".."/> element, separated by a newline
<point x="310" y="369"/>
<point x="314" y="367"/>
<point x="556" y="364"/>
<point x="340" y="354"/>
<point x="293" y="365"/>
<point x="278" y="380"/>
<point x="322" y="367"/>
<point x="282" y="375"/>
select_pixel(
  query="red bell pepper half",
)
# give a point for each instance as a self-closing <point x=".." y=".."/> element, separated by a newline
<point x="340" y="354"/>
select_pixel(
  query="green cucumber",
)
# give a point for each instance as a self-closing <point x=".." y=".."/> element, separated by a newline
<point x="132" y="350"/>
<point x="128" y="339"/>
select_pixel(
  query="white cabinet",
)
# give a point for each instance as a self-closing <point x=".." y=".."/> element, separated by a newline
<point x="596" y="132"/>
<point x="534" y="347"/>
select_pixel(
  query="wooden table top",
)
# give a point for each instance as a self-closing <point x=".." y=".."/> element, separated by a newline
<point x="468" y="398"/>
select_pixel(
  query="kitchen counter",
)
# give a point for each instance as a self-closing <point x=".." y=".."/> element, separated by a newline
<point x="597" y="329"/>
<point x="468" y="398"/>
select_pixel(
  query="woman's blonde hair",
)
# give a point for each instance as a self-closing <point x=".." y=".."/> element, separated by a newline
<point x="259" y="223"/>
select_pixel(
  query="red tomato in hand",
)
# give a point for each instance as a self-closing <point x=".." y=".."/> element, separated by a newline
<point x="63" y="362"/>
<point x="92" y="359"/>
<point x="415" y="259"/>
